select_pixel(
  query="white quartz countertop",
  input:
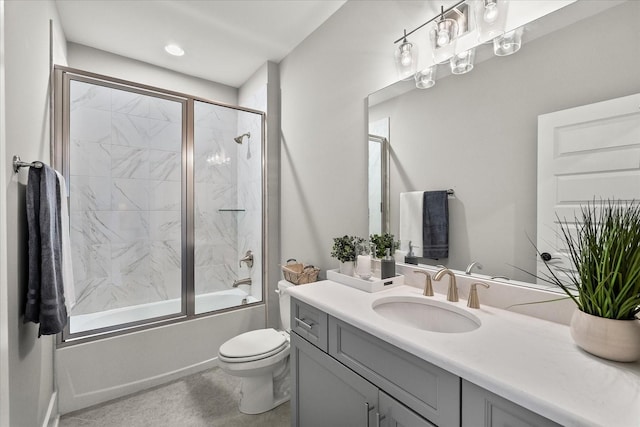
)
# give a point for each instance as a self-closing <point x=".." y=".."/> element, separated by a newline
<point x="531" y="362"/>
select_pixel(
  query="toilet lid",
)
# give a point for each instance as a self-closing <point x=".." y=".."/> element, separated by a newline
<point x="253" y="343"/>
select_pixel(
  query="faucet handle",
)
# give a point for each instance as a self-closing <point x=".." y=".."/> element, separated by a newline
<point x="474" y="301"/>
<point x="428" y="287"/>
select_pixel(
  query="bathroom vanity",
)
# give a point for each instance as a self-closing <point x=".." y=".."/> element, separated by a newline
<point x="352" y="366"/>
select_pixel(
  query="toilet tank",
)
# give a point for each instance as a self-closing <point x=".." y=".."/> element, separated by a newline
<point x="285" y="304"/>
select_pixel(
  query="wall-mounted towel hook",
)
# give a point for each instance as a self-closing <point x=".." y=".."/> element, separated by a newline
<point x="17" y="164"/>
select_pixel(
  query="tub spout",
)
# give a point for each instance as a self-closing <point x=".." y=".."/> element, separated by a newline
<point x="246" y="281"/>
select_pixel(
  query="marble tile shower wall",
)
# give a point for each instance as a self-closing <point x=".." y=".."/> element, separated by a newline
<point x="216" y="231"/>
<point x="125" y="197"/>
<point x="249" y="188"/>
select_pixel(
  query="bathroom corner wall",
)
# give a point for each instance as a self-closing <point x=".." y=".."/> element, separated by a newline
<point x="27" y="391"/>
<point x="325" y="82"/>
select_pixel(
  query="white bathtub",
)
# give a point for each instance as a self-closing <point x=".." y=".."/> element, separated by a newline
<point x="204" y="303"/>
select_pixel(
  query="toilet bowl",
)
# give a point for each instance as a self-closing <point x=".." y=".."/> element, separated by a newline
<point x="261" y="359"/>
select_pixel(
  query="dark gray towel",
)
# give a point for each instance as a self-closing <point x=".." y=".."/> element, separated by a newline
<point x="45" y="297"/>
<point x="435" y="220"/>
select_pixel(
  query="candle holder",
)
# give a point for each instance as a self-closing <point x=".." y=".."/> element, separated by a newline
<point x="363" y="260"/>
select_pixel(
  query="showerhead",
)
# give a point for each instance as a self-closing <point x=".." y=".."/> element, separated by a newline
<point x="238" y="139"/>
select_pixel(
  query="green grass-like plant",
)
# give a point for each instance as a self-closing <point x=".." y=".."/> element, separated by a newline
<point x="605" y="252"/>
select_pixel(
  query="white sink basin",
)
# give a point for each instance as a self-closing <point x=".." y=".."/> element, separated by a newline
<point x="426" y="314"/>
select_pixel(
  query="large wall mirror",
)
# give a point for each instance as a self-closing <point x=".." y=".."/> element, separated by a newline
<point x="477" y="133"/>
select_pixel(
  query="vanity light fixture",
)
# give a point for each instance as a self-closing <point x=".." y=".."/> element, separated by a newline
<point x="406" y="56"/>
<point x="450" y="25"/>
<point x="174" y="49"/>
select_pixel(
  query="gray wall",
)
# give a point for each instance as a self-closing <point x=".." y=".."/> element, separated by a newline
<point x="325" y="82"/>
<point x="269" y="75"/>
<point x="27" y="360"/>
<point x="477" y="133"/>
<point x="112" y="65"/>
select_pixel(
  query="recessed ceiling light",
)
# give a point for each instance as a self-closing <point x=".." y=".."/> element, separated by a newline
<point x="174" y="49"/>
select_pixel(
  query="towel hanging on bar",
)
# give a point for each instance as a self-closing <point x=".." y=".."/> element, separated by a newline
<point x="45" y="291"/>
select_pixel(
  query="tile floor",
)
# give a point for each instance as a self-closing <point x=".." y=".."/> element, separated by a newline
<point x="204" y="399"/>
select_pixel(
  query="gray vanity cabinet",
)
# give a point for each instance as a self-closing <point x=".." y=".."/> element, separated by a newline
<point x="481" y="408"/>
<point x="325" y="393"/>
<point x="343" y="386"/>
<point x="344" y="377"/>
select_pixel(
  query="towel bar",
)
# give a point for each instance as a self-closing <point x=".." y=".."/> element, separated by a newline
<point x="17" y="164"/>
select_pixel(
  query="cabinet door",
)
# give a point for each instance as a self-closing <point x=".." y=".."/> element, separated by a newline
<point x="480" y="408"/>
<point x="325" y="393"/>
<point x="428" y="390"/>
<point x="394" y="414"/>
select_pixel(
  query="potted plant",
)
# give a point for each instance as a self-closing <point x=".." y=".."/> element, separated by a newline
<point x="604" y="248"/>
<point x="383" y="242"/>
<point x="344" y="249"/>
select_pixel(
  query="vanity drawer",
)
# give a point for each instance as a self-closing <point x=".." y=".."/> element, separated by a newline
<point x="310" y="323"/>
<point x="428" y="390"/>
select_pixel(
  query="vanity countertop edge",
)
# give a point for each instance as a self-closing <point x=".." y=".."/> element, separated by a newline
<point x="531" y="362"/>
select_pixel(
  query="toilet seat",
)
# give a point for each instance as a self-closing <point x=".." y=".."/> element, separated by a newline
<point x="253" y="345"/>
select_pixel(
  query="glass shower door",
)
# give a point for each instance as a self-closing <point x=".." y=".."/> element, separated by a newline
<point x="227" y="207"/>
<point x="125" y="198"/>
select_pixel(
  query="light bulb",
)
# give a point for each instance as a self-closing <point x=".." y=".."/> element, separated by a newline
<point x="406" y="58"/>
<point x="490" y="13"/>
<point x="443" y="38"/>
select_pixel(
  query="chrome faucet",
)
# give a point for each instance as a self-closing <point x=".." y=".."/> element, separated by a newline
<point x="470" y="267"/>
<point x="452" y="293"/>
<point x="247" y="258"/>
<point x="246" y="281"/>
<point x="428" y="288"/>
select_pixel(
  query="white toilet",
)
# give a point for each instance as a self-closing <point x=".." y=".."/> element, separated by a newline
<point x="261" y="359"/>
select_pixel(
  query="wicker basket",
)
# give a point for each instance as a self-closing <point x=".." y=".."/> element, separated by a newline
<point x="299" y="274"/>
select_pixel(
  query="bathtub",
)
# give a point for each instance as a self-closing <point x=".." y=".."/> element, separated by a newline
<point x="213" y="301"/>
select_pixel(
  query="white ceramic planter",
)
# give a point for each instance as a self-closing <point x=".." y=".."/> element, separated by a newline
<point x="347" y="268"/>
<point x="617" y="340"/>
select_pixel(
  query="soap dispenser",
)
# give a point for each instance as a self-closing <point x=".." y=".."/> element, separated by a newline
<point x="387" y="265"/>
<point x="410" y="258"/>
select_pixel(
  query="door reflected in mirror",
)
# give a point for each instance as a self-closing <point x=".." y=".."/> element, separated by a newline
<point x="379" y="176"/>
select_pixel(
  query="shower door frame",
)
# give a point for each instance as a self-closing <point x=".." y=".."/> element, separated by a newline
<point x="61" y="161"/>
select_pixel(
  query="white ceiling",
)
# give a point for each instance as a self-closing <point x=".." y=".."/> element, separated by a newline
<point x="225" y="41"/>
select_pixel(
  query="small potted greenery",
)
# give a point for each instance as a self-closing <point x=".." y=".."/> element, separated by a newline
<point x="383" y="242"/>
<point x="603" y="245"/>
<point x="344" y="249"/>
